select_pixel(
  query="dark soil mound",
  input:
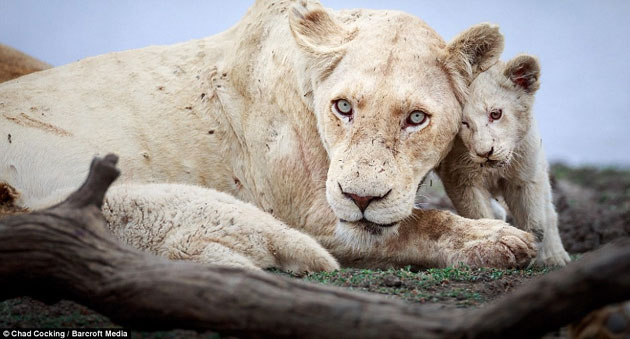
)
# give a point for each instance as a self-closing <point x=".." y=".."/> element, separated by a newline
<point x="593" y="206"/>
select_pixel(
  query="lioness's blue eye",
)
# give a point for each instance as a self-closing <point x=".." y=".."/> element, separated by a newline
<point x="343" y="107"/>
<point x="416" y="118"/>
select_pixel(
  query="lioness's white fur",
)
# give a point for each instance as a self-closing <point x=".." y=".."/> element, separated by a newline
<point x="251" y="112"/>
<point x="200" y="224"/>
<point x="505" y="156"/>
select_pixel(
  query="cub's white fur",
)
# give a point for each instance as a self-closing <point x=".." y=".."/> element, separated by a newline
<point x="504" y="156"/>
<point x="250" y="112"/>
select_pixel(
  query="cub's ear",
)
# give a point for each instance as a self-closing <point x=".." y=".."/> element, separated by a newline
<point x="524" y="72"/>
<point x="471" y="52"/>
<point x="315" y="30"/>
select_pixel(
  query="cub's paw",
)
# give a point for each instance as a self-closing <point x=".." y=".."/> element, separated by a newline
<point x="552" y="257"/>
<point x="497" y="244"/>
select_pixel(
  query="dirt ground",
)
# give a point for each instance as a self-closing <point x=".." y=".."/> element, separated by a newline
<point x="593" y="207"/>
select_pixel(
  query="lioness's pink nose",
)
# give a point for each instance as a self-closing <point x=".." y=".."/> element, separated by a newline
<point x="361" y="202"/>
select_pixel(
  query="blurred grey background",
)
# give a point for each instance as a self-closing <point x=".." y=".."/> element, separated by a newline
<point x="583" y="106"/>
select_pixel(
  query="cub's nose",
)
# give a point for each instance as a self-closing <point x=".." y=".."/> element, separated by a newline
<point x="487" y="154"/>
<point x="361" y="202"/>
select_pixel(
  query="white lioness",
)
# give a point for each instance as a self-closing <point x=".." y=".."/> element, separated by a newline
<point x="498" y="152"/>
<point x="326" y="120"/>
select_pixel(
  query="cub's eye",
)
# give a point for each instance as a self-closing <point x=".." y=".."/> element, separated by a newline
<point x="465" y="124"/>
<point x="343" y="107"/>
<point x="495" y="114"/>
<point x="416" y="118"/>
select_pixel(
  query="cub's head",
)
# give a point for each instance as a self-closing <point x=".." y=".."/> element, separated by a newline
<point x="497" y="114"/>
<point x="387" y="94"/>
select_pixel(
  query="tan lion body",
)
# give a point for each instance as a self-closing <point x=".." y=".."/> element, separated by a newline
<point x="14" y="64"/>
<point x="504" y="157"/>
<point x="248" y="112"/>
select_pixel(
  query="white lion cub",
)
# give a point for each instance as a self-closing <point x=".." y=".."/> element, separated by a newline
<point x="498" y="152"/>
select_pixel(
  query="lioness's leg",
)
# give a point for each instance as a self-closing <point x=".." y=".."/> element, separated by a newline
<point x="51" y="199"/>
<point x="200" y="224"/>
<point x="533" y="210"/>
<point x="436" y="238"/>
<point x="441" y="238"/>
<point x="215" y="253"/>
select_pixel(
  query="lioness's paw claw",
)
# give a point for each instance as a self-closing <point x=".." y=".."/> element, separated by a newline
<point x="299" y="253"/>
<point x="501" y="246"/>
<point x="312" y="264"/>
<point x="522" y="246"/>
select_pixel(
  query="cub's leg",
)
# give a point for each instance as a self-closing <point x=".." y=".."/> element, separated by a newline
<point x="533" y="211"/>
<point x="470" y="201"/>
<point x="553" y="252"/>
<point x="464" y="184"/>
<point x="199" y="224"/>
<point x="497" y="210"/>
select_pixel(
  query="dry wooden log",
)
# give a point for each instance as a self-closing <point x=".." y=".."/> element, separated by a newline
<point x="558" y="298"/>
<point x="66" y="252"/>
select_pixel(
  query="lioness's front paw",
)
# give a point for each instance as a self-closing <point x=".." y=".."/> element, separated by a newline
<point x="299" y="253"/>
<point x="497" y="244"/>
<point x="308" y="264"/>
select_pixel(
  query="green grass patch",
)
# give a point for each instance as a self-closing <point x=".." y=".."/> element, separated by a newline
<point x="459" y="286"/>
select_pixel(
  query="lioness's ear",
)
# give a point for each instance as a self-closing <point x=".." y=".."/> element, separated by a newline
<point x="320" y="36"/>
<point x="315" y="30"/>
<point x="524" y="72"/>
<point x="471" y="52"/>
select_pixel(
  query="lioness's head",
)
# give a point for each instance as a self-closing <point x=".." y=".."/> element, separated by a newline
<point x="387" y="92"/>
<point x="497" y="114"/>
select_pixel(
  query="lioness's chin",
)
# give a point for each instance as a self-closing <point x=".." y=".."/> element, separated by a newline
<point x="369" y="226"/>
<point x="363" y="233"/>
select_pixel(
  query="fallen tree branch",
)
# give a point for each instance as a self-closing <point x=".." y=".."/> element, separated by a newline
<point x="558" y="298"/>
<point x="67" y="252"/>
